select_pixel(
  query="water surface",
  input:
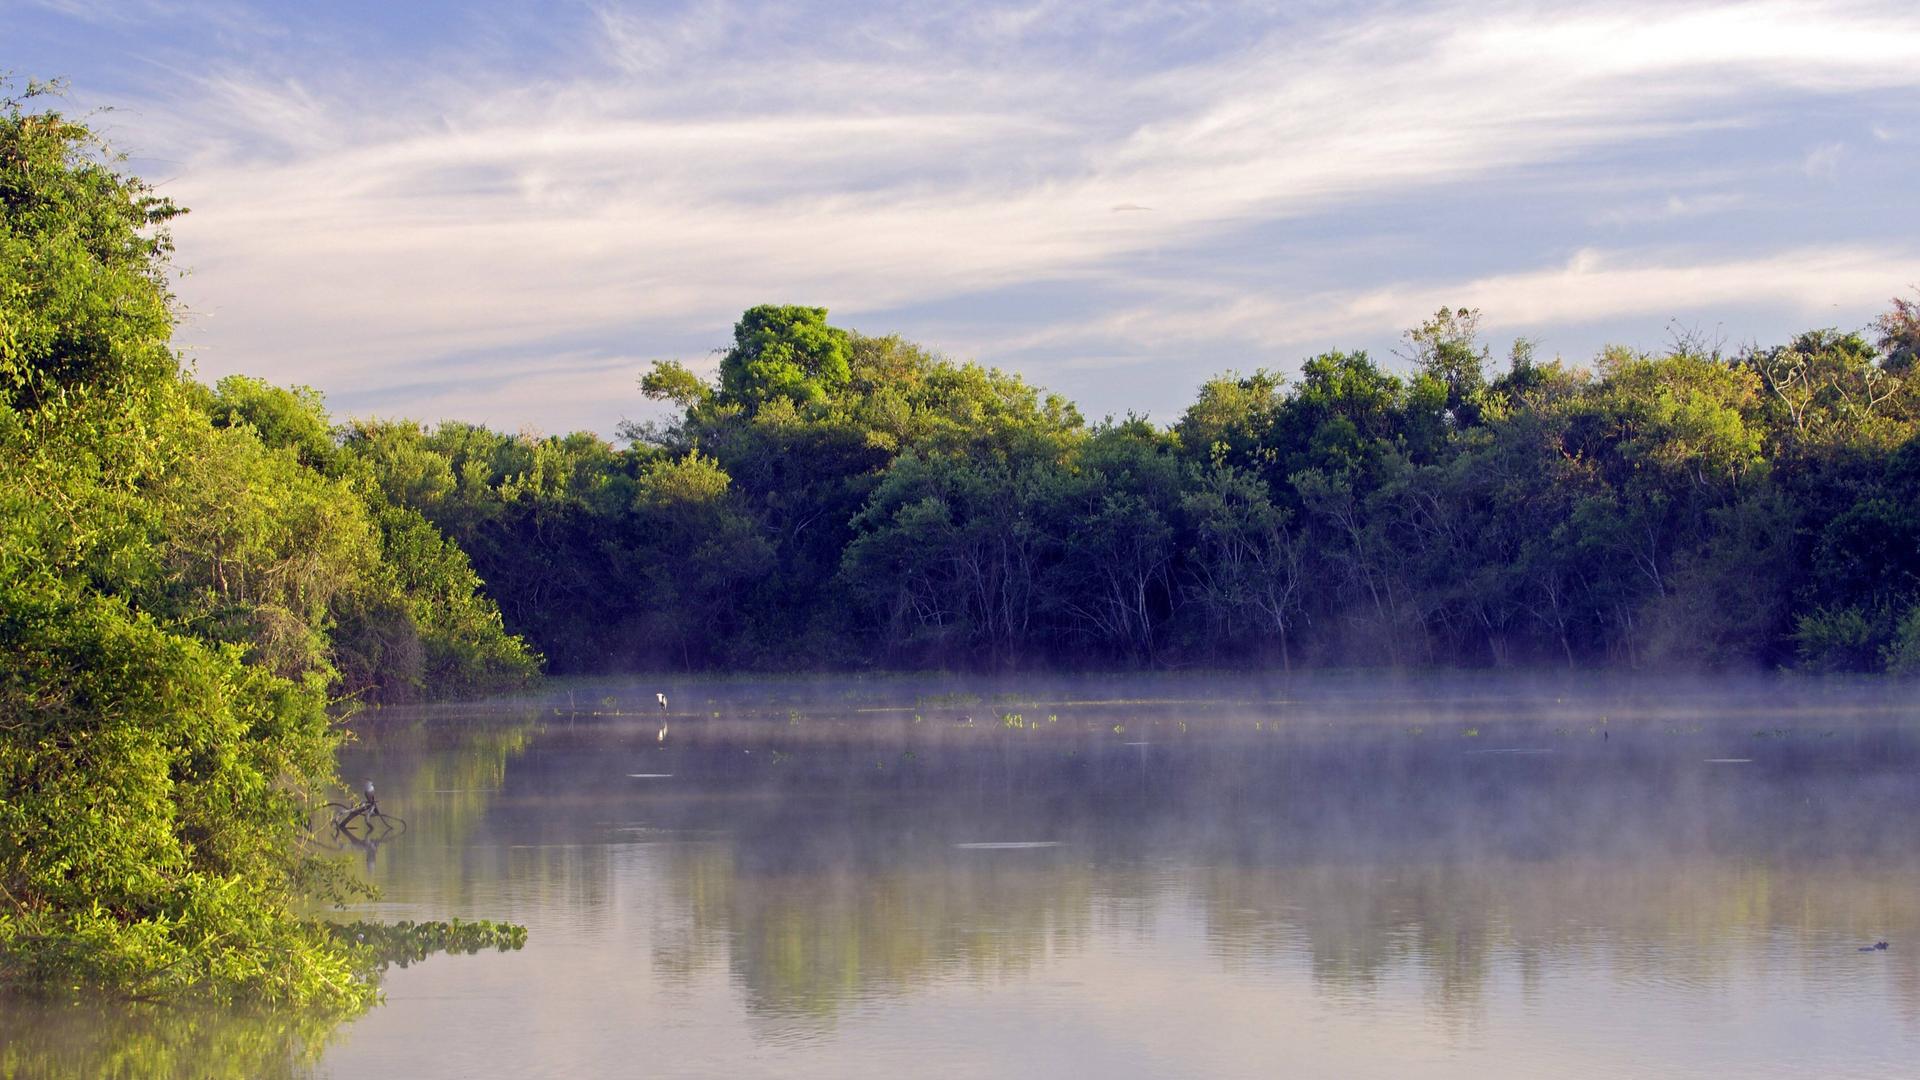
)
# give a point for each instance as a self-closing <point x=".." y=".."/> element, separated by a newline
<point x="1118" y="878"/>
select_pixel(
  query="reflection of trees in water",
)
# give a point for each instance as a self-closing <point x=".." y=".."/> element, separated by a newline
<point x="1355" y="863"/>
<point x="135" y="1042"/>
<point x="812" y="944"/>
<point x="690" y="937"/>
<point x="828" y="873"/>
<point x="1700" y="922"/>
<point x="442" y="777"/>
<point x="1355" y="926"/>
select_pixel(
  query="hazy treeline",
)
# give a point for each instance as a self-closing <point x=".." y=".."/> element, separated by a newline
<point x="191" y="582"/>
<point x="843" y="500"/>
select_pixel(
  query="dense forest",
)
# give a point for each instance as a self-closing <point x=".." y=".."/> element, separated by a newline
<point x="195" y="586"/>
<point x="839" y="500"/>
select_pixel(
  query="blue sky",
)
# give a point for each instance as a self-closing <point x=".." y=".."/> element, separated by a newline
<point x="502" y="213"/>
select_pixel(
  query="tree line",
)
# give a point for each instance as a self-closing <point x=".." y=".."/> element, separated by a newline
<point x="832" y="499"/>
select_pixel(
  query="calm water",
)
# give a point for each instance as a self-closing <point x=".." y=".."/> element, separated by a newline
<point x="1126" y="878"/>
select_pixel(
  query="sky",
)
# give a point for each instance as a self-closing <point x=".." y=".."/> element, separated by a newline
<point x="503" y="213"/>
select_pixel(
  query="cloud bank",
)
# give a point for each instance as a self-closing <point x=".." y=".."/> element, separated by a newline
<point x="506" y="221"/>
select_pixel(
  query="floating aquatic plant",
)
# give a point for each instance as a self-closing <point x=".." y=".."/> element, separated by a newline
<point x="407" y="942"/>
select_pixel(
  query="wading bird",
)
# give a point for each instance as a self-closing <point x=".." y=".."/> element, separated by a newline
<point x="662" y="699"/>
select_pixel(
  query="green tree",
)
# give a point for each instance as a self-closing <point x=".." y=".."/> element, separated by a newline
<point x="174" y="563"/>
<point x="1249" y="566"/>
<point x="1447" y="349"/>
<point x="152" y="769"/>
<point x="784" y="352"/>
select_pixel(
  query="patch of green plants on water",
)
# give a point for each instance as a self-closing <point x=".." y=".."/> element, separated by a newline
<point x="406" y="942"/>
<point x="1013" y="720"/>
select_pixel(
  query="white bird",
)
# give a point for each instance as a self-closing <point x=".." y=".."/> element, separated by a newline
<point x="662" y="699"/>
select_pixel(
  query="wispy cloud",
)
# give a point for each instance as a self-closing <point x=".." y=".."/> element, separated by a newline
<point x="1591" y="286"/>
<point x="724" y="155"/>
<point x="1672" y="208"/>
<point x="1823" y="161"/>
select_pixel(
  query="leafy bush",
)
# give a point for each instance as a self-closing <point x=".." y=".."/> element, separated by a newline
<point x="1902" y="655"/>
<point x="1837" y="639"/>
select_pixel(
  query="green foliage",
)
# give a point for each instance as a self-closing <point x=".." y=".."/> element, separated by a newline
<point x="1660" y="508"/>
<point x="83" y="253"/>
<point x="149" y="831"/>
<point x="669" y="380"/>
<point x="1837" y="639"/>
<point x="174" y="566"/>
<point x="420" y="626"/>
<point x="284" y="418"/>
<point x="1232" y="418"/>
<point x="1902" y="654"/>
<point x="1247" y="570"/>
<point x="407" y="942"/>
<point x="1899" y="331"/>
<point x="1446" y="350"/>
<point x="779" y="353"/>
<point x="403" y="616"/>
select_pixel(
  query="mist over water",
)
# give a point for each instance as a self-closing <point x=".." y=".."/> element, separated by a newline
<point x="1148" y="877"/>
